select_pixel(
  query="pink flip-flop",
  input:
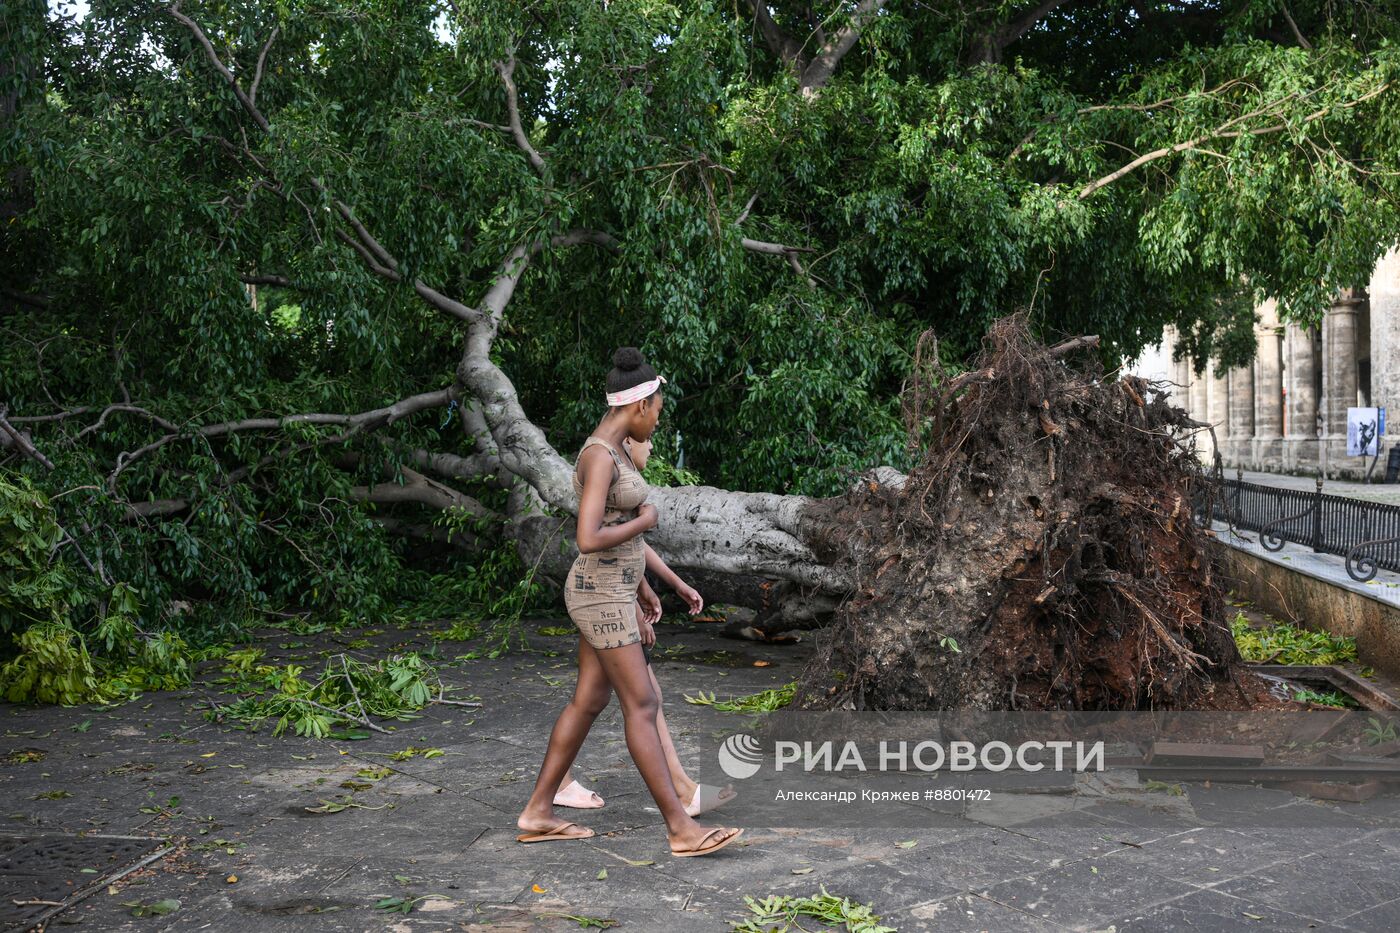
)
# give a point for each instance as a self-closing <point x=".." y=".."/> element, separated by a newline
<point x="707" y="797"/>
<point x="561" y="801"/>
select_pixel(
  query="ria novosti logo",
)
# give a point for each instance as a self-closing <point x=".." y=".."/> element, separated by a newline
<point x="740" y="756"/>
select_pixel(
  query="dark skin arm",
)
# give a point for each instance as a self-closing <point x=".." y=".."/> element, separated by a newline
<point x="596" y="470"/>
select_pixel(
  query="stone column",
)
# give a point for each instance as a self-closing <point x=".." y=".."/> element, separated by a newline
<point x="1181" y="387"/>
<point x="1300" y="443"/>
<point x="1268" y="399"/>
<point x="1184" y="378"/>
<point x="1339" y="378"/>
<point x="1241" y="449"/>
<point x="1385" y="347"/>
<point x="1200" y="408"/>
<point x="1220" y="409"/>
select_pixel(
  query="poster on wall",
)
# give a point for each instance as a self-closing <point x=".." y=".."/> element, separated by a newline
<point x="1364" y="427"/>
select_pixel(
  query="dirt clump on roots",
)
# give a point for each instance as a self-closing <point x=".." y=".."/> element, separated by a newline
<point x="1043" y="555"/>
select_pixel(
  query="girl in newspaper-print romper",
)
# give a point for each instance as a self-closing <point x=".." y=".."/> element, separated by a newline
<point x="601" y="592"/>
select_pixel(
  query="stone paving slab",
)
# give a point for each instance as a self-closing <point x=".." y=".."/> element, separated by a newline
<point x="444" y="826"/>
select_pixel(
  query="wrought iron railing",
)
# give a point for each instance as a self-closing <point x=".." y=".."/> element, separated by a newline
<point x="1367" y="534"/>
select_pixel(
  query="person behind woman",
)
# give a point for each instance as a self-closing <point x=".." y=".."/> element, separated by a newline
<point x="698" y="798"/>
<point x="601" y="595"/>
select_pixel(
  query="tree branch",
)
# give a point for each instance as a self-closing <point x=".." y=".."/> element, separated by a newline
<point x="995" y="41"/>
<point x="155" y="508"/>
<point x="280" y="281"/>
<point x="373" y="245"/>
<point x="365" y="420"/>
<point x="421" y="490"/>
<point x="773" y="249"/>
<point x="369" y="258"/>
<point x="213" y="56"/>
<point x="1297" y="33"/>
<point x="1225" y="131"/>
<point x="788" y="49"/>
<point x="133" y="409"/>
<point x="29" y="419"/>
<point x="34" y="301"/>
<point x="823" y="65"/>
<point x="12" y="436"/>
<point x="262" y="60"/>
<point x="506" y="70"/>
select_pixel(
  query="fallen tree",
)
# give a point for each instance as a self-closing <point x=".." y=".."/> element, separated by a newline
<point x="418" y="208"/>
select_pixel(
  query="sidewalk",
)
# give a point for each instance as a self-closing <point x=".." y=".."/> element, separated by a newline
<point x="1327" y="567"/>
<point x="249" y="856"/>
<point x="1371" y="492"/>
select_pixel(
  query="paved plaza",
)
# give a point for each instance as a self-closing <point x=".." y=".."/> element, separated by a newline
<point x="1371" y="492"/>
<point x="225" y="811"/>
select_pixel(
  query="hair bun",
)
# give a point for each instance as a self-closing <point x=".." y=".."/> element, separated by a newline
<point x="627" y="359"/>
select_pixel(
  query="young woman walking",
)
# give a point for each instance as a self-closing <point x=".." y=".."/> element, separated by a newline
<point x="601" y="596"/>
<point x="698" y="798"/>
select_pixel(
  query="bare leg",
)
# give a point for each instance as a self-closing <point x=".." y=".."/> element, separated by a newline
<point x="685" y="787"/>
<point x="577" y="797"/>
<point x="570" y="729"/>
<point x="626" y="671"/>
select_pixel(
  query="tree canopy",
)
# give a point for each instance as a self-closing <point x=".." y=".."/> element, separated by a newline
<point x="220" y="214"/>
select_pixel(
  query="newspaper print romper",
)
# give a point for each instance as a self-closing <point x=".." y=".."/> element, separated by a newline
<point x="601" y="593"/>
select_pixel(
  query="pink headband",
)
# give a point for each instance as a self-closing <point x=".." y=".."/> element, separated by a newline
<point x="636" y="393"/>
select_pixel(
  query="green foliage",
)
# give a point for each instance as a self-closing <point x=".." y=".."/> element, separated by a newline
<point x="348" y="692"/>
<point x="765" y="701"/>
<point x="1282" y="643"/>
<point x="52" y="666"/>
<point x="34" y="588"/>
<point x="783" y="913"/>
<point x="67" y="638"/>
<point x="1378" y="731"/>
<point x="489" y="597"/>
<point x="660" y="472"/>
<point x="1333" y="698"/>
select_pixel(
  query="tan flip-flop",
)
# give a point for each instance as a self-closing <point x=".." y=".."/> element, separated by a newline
<point x="556" y="834"/>
<point x="703" y="849"/>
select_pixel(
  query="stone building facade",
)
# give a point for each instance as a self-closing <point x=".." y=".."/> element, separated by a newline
<point x="1287" y="410"/>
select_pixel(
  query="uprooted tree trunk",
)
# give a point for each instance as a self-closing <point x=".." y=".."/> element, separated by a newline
<point x="1042" y="556"/>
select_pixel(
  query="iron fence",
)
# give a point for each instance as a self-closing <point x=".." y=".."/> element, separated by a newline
<point x="1367" y="534"/>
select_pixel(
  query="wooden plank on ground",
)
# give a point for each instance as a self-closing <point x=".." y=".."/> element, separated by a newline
<point x="1329" y="790"/>
<point x="1198" y="753"/>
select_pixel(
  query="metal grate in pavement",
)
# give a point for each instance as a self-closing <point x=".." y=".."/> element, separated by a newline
<point x="43" y="875"/>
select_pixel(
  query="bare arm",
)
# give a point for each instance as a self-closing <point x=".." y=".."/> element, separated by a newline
<point x="694" y="601"/>
<point x="595" y="469"/>
<point x="658" y="566"/>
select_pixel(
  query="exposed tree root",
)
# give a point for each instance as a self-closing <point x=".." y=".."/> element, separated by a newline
<point x="1042" y="556"/>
